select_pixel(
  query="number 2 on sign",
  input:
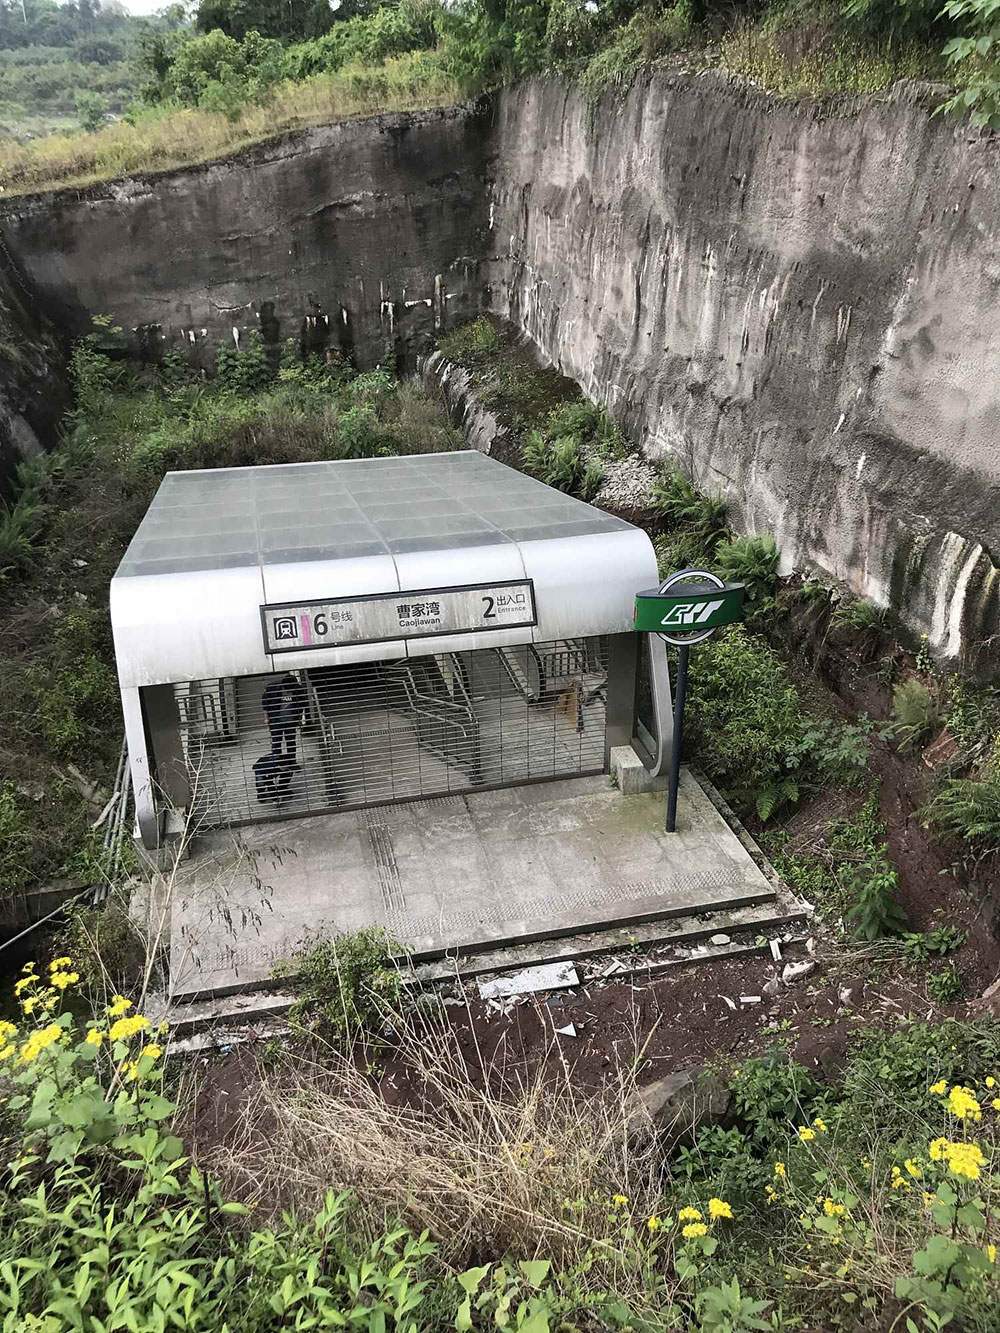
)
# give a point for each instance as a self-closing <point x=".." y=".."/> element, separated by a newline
<point x="489" y="613"/>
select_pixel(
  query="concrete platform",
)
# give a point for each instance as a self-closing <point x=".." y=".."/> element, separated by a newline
<point x="459" y="873"/>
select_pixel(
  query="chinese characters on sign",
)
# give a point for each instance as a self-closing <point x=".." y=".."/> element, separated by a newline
<point x="306" y="626"/>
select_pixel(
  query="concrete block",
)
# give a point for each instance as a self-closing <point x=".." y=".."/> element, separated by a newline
<point x="633" y="777"/>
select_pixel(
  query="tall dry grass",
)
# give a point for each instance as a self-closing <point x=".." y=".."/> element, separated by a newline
<point x="185" y="137"/>
<point x="518" y="1162"/>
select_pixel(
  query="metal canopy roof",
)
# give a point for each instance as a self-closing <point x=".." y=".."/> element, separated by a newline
<point x="215" y="546"/>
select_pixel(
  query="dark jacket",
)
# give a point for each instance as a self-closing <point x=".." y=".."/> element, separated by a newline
<point x="284" y="703"/>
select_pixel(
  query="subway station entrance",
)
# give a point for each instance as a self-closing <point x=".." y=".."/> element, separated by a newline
<point x="319" y="637"/>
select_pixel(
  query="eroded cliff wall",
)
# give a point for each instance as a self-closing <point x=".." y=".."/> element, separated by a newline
<point x="360" y="236"/>
<point x="801" y="308"/>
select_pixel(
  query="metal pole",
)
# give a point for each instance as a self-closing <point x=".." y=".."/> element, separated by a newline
<point x="678" y="739"/>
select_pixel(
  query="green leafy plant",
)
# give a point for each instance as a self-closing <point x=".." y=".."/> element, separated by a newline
<point x="968" y="809"/>
<point x="749" y="560"/>
<point x="874" y="911"/>
<point x="770" y="1093"/>
<point x="921" y="947"/>
<point x="347" y="984"/>
<point x="946" y="984"/>
<point x="865" y="617"/>
<point x="724" y="1309"/>
<point x="915" y="714"/>
<point x="676" y="499"/>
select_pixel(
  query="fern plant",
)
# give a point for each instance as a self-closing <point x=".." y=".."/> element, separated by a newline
<point x="858" y="614"/>
<point x="968" y="809"/>
<point x="676" y="499"/>
<point x="915" y="714"/>
<point x="750" y="560"/>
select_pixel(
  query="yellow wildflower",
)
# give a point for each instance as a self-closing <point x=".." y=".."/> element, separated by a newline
<point x="965" y="1159"/>
<point x="128" y="1027"/>
<point x="779" y="1170"/>
<point x="991" y="1082"/>
<point x="928" y="1199"/>
<point x="28" y="1005"/>
<point x="912" y="1168"/>
<point x="653" y="1223"/>
<point x="620" y="1200"/>
<point x="962" y="1104"/>
<point x="991" y="1253"/>
<point x="937" y="1149"/>
<point x="6" y="1029"/>
<point x="820" y="1124"/>
<point x="940" y="1087"/>
<point x="23" y="984"/>
<point x="900" y="1182"/>
<point x="118" y="1006"/>
<point x="7" y="1052"/>
<point x="39" y="1041"/>
<point x="689" y="1215"/>
<point x="130" y="1070"/>
<point x="58" y="963"/>
<point x="833" y="1209"/>
<point x="154" y="1052"/>
<point x="805" y="1134"/>
<point x="719" y="1208"/>
<point x="94" y="1037"/>
<point x="694" y="1229"/>
<point x="64" y="979"/>
<point x="995" y="1103"/>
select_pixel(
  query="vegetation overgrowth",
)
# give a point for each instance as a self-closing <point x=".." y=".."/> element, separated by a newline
<point x="76" y="511"/>
<point x="507" y="1202"/>
<point x="243" y="72"/>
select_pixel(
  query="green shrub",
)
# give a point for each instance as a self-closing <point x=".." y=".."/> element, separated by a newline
<point x="969" y="810"/>
<point x="771" y="1094"/>
<point x="874" y="911"/>
<point x="865" y="617"/>
<point x="920" y="946"/>
<point x="746" y="724"/>
<point x="647" y="35"/>
<point x="347" y="984"/>
<point x="915" y="714"/>
<point x="15" y="840"/>
<point x="749" y="560"/>
<point x="945" y="985"/>
<point x="471" y="345"/>
<point x="676" y="499"/>
<point x="360" y="436"/>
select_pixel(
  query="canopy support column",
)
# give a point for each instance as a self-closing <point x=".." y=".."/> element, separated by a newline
<point x="142" y="779"/>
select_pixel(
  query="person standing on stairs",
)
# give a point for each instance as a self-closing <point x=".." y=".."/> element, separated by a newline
<point x="284" y="703"/>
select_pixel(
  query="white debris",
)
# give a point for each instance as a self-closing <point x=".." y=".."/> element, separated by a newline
<point x="727" y="1000"/>
<point x="615" y="966"/>
<point x="749" y="999"/>
<point x="796" y="971"/>
<point x="550" y="976"/>
<point x="568" y="1031"/>
<point x="720" y="940"/>
<point x="771" y="987"/>
<point x="775" y="950"/>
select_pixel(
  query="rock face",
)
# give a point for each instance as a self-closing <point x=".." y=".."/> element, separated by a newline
<point x="33" y="391"/>
<point x="799" y="307"/>
<point x="362" y="237"/>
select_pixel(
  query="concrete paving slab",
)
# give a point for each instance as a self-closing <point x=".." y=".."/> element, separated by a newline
<point x="459" y="873"/>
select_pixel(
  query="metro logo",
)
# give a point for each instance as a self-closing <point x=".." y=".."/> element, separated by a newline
<point x="685" y="614"/>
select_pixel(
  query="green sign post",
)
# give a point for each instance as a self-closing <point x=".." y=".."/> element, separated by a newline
<point x="687" y="608"/>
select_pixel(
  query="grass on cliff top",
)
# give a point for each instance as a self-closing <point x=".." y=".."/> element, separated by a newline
<point x="176" y="138"/>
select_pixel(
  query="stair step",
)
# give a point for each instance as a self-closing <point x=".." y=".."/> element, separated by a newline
<point x="782" y="910"/>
